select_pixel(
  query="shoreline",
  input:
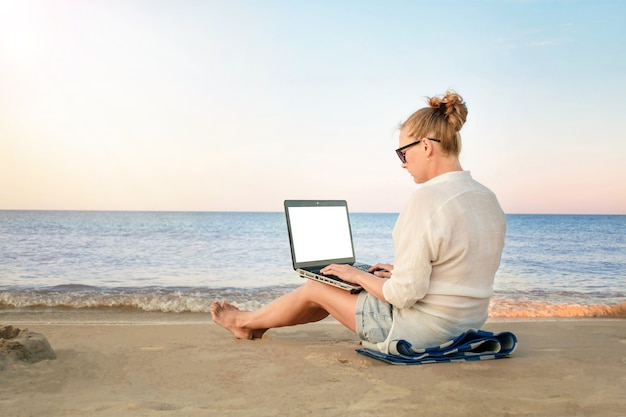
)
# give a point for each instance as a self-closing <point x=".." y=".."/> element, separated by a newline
<point x="151" y="318"/>
<point x="117" y="316"/>
<point x="145" y="364"/>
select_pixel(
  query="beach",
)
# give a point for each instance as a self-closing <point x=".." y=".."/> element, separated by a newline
<point x="123" y="298"/>
<point x="156" y="364"/>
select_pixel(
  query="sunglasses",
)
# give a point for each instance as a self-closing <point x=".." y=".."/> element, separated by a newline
<point x="401" y="152"/>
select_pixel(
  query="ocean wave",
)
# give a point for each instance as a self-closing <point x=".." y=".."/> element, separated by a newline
<point x="542" y="309"/>
<point x="167" y="300"/>
<point x="198" y="300"/>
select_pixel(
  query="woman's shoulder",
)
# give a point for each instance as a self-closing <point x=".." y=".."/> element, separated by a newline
<point x="452" y="183"/>
<point x="445" y="190"/>
<point x="442" y="186"/>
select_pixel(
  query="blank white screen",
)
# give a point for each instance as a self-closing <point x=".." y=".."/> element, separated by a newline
<point x="320" y="233"/>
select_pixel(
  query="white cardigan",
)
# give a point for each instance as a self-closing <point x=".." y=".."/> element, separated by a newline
<point x="448" y="242"/>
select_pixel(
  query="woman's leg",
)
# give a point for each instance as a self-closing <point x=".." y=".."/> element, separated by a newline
<point x="311" y="302"/>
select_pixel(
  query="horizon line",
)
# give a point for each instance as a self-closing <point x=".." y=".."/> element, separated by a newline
<point x="280" y="211"/>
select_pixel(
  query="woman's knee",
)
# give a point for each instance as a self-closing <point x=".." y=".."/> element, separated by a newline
<point x="315" y="289"/>
<point x="327" y="296"/>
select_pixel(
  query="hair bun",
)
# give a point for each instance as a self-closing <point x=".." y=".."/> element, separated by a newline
<point x="453" y="108"/>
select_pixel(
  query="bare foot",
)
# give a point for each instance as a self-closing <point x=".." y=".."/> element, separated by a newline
<point x="227" y="316"/>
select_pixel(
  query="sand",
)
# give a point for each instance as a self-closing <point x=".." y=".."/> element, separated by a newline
<point x="149" y="364"/>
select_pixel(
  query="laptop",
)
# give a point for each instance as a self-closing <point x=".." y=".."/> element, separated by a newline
<point x="319" y="235"/>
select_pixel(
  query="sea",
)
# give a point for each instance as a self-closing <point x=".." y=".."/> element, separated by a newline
<point x="180" y="262"/>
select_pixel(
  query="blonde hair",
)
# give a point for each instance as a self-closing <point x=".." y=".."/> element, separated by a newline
<point x="442" y="119"/>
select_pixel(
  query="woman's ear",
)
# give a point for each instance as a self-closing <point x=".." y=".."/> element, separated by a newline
<point x="428" y="148"/>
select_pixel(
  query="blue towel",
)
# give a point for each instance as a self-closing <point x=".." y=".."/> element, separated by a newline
<point x="473" y="345"/>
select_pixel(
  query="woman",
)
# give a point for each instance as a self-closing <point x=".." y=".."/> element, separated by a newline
<point x="448" y="241"/>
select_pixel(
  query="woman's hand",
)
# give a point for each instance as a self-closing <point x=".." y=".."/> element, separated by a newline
<point x="381" y="270"/>
<point x="372" y="282"/>
<point x="347" y="273"/>
<point x="351" y="274"/>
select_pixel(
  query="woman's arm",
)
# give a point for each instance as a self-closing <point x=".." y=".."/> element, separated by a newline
<point x="371" y="282"/>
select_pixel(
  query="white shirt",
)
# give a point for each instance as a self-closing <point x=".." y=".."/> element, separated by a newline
<point x="448" y="242"/>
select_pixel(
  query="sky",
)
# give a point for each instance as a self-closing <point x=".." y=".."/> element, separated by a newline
<point x="238" y="105"/>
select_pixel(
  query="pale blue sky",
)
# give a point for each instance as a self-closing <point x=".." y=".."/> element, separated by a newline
<point x="238" y="105"/>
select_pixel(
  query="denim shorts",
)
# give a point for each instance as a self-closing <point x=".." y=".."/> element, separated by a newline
<point x="374" y="318"/>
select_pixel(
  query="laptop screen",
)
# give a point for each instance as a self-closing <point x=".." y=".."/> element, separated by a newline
<point x="319" y="232"/>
